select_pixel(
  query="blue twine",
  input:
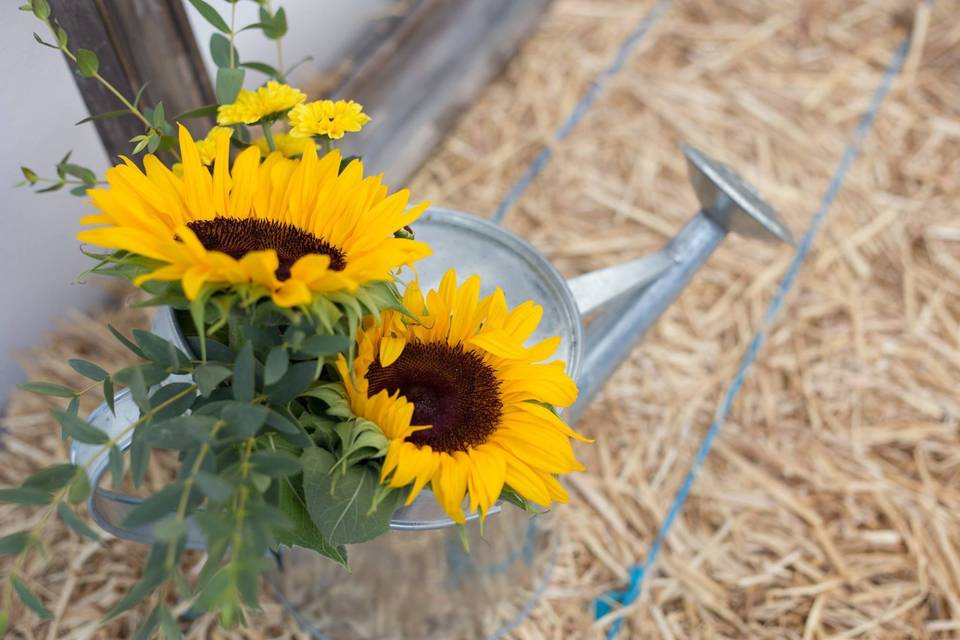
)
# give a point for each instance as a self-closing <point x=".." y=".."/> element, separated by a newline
<point x="585" y="102"/>
<point x="605" y="604"/>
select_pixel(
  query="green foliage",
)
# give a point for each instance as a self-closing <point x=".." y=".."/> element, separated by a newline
<point x="47" y="389"/>
<point x="268" y="450"/>
<point x="25" y="495"/>
<point x="220" y="50"/>
<point x="87" y="63"/>
<point x="40" y="9"/>
<point x="228" y="85"/>
<point x="273" y="26"/>
<point x="210" y="15"/>
<point x="30" y="599"/>
<point x="341" y="504"/>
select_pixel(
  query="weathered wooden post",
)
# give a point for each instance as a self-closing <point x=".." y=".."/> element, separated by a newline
<point x="138" y="42"/>
<point x="415" y="77"/>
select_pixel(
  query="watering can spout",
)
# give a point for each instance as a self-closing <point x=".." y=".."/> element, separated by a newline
<point x="620" y="303"/>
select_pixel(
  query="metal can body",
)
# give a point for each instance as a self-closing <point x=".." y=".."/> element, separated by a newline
<point x="424" y="584"/>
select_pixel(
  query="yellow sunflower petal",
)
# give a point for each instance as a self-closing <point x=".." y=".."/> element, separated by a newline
<point x="450" y="485"/>
<point x="390" y="350"/>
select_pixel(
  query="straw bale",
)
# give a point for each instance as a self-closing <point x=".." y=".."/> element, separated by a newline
<point x="829" y="506"/>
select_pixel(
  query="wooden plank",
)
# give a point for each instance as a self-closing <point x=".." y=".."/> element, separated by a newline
<point x="418" y="81"/>
<point x="164" y="52"/>
<point x="415" y="79"/>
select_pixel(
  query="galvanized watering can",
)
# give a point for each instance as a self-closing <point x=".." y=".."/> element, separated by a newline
<point x="599" y="315"/>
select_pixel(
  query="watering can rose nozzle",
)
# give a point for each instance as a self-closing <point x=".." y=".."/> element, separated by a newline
<point x="622" y="313"/>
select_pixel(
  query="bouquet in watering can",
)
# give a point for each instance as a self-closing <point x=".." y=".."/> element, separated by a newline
<point x="314" y="389"/>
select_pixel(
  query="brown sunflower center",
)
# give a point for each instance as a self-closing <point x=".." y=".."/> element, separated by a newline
<point x="237" y="237"/>
<point x="451" y="389"/>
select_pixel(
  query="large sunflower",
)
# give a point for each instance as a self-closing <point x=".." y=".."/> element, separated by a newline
<point x="461" y="399"/>
<point x="293" y="228"/>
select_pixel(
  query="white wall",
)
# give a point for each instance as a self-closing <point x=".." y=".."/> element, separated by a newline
<point x="39" y="259"/>
<point x="39" y="102"/>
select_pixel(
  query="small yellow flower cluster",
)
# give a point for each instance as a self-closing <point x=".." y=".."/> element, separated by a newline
<point x="208" y="146"/>
<point x="307" y="119"/>
<point x="286" y="144"/>
<point x="265" y="103"/>
<point x="327" y="118"/>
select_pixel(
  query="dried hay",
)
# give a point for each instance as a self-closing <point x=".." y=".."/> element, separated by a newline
<point x="829" y="505"/>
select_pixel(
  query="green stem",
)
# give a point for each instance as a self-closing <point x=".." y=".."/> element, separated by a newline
<point x="233" y="19"/>
<point x="188" y="486"/>
<point x="268" y="135"/>
<point x="69" y="181"/>
<point x="134" y="111"/>
<point x="279" y="47"/>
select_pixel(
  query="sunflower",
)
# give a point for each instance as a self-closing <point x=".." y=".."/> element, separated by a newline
<point x="292" y="228"/>
<point x="327" y="118"/>
<point x="462" y="400"/>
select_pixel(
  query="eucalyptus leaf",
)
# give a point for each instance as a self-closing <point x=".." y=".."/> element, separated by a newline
<point x="163" y="352"/>
<point x="244" y="374"/>
<point x="139" y="379"/>
<point x="317" y="346"/>
<point x="79" y="488"/>
<point x="25" y="495"/>
<point x="52" y="478"/>
<point x="108" y="396"/>
<point x="148" y="626"/>
<point x="139" y="457"/>
<point x="205" y="111"/>
<point x="87" y="63"/>
<point x="30" y="599"/>
<point x="262" y="68"/>
<point x="88" y="369"/>
<point x="276" y="365"/>
<point x="48" y="389"/>
<point x="220" y="50"/>
<point x="181" y="432"/>
<point x="244" y="420"/>
<point x="125" y="341"/>
<point x="175" y="398"/>
<point x="213" y="486"/>
<point x="79" y="429"/>
<point x="209" y="376"/>
<point x="41" y="9"/>
<point x="14" y="543"/>
<point x="116" y="467"/>
<point x="73" y="521"/>
<point x="229" y="83"/>
<point x="294" y="382"/>
<point x="157" y="506"/>
<point x="210" y="15"/>
<point x="30" y="175"/>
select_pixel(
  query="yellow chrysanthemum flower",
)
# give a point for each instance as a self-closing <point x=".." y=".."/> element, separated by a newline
<point x="327" y="118"/>
<point x="286" y="144"/>
<point x="267" y="102"/>
<point x="460" y="398"/>
<point x="296" y="228"/>
<point x="207" y="148"/>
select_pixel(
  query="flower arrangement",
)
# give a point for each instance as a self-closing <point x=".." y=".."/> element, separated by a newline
<point x="320" y="391"/>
